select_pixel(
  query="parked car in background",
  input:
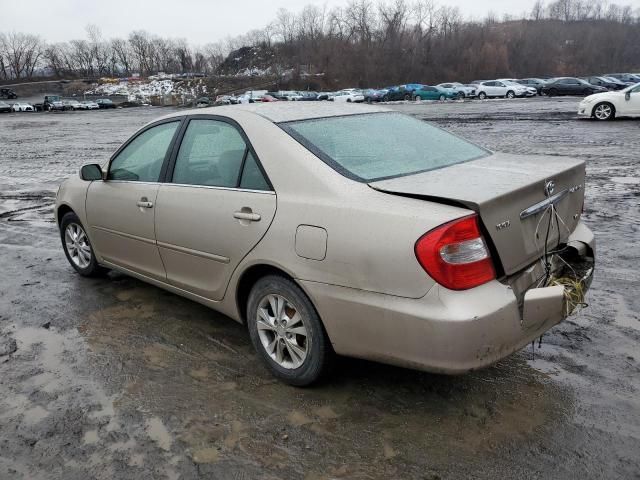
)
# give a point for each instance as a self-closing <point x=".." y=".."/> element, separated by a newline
<point x="625" y="77"/>
<point x="520" y="90"/>
<point x="401" y="92"/>
<point x="609" y="105"/>
<point x="324" y="95"/>
<point x="5" y="108"/>
<point x="72" y="105"/>
<point x="22" y="107"/>
<point x="466" y="90"/>
<point x="7" y="93"/>
<point x="57" y="105"/>
<point x="428" y="92"/>
<point x="300" y="251"/>
<point x="374" y="95"/>
<point x="496" y="88"/>
<point x="269" y="98"/>
<point x="604" y="82"/>
<point x="618" y="82"/>
<point x="48" y="103"/>
<point x="308" y="96"/>
<point x="105" y="103"/>
<point x="570" y="86"/>
<point x="349" y="95"/>
<point x="91" y="105"/>
<point x="536" y="83"/>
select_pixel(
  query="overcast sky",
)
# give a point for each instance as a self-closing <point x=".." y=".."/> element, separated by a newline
<point x="199" y="21"/>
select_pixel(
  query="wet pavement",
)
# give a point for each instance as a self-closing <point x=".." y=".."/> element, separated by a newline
<point x="112" y="378"/>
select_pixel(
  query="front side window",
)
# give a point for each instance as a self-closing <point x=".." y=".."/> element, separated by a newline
<point x="210" y="154"/>
<point x="375" y="146"/>
<point x="141" y="160"/>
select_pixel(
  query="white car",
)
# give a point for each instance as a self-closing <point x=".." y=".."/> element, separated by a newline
<point x="609" y="105"/>
<point x="22" y="107"/>
<point x="528" y="91"/>
<point x="457" y="87"/>
<point x="349" y="95"/>
<point x="90" y="105"/>
<point x="497" y="88"/>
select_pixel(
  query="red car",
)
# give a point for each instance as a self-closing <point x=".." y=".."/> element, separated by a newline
<point x="269" y="98"/>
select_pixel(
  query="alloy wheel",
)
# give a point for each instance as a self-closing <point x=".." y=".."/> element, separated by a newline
<point x="282" y="331"/>
<point x="603" y="111"/>
<point x="77" y="244"/>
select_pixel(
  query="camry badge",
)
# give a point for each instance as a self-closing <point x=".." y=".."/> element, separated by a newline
<point x="549" y="187"/>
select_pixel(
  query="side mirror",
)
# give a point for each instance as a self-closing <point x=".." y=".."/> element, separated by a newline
<point x="91" y="172"/>
<point x="627" y="96"/>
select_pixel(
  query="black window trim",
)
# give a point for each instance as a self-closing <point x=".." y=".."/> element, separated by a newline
<point x="167" y="175"/>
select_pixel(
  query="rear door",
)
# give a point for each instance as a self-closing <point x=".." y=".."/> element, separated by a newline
<point x="120" y="210"/>
<point x="633" y="104"/>
<point x="214" y="208"/>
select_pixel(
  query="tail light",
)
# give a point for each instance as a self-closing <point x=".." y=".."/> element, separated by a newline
<point x="455" y="255"/>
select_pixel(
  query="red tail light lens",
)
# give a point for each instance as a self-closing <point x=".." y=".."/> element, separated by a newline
<point x="455" y="255"/>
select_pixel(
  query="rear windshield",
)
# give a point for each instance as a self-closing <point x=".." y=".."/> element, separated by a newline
<point x="376" y="146"/>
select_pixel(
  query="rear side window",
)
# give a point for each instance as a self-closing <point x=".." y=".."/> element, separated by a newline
<point x="211" y="154"/>
<point x="375" y="146"/>
<point x="142" y="159"/>
<point x="252" y="177"/>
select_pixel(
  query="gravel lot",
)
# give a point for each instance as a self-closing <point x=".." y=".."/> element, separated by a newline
<point x="113" y="378"/>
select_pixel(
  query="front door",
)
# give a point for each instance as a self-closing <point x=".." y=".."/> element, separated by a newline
<point x="632" y="106"/>
<point x="121" y="209"/>
<point x="216" y="208"/>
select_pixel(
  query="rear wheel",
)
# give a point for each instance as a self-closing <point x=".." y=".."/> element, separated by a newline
<point x="77" y="247"/>
<point x="553" y="92"/>
<point x="287" y="332"/>
<point x="407" y="96"/>
<point x="604" y="111"/>
<point x="385" y="98"/>
<point x="460" y="95"/>
<point x="442" y="98"/>
<point x="418" y="98"/>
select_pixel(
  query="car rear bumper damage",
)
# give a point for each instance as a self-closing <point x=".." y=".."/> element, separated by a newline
<point x="450" y="331"/>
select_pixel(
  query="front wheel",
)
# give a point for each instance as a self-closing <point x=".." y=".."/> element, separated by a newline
<point x="510" y="94"/>
<point x="460" y="95"/>
<point x="77" y="247"/>
<point x="418" y="98"/>
<point x="604" y="111"/>
<point x="482" y="95"/>
<point x="442" y="98"/>
<point x="287" y="332"/>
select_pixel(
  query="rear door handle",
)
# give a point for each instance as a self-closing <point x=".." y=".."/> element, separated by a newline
<point x="250" y="216"/>
<point x="144" y="203"/>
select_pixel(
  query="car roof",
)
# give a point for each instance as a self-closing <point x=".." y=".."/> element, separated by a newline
<point x="277" y="112"/>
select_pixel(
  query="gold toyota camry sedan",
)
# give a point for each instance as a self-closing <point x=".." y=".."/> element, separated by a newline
<point x="339" y="229"/>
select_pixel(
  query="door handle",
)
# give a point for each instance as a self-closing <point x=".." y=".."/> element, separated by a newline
<point x="144" y="203"/>
<point x="247" y="215"/>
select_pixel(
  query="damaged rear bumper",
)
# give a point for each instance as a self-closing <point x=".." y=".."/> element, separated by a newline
<point x="446" y="331"/>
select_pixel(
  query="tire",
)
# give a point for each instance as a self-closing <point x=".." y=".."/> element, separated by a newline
<point x="418" y="98"/>
<point x="348" y="100"/>
<point x="73" y="233"/>
<point x="553" y="92"/>
<point x="385" y="98"/>
<point x="604" y="111"/>
<point x="482" y="95"/>
<point x="407" y="97"/>
<point x="312" y="352"/>
<point x="369" y="100"/>
<point x="510" y="94"/>
<point x="442" y="98"/>
<point x="460" y="96"/>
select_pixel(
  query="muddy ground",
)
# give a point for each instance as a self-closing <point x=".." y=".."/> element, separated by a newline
<point x="113" y="378"/>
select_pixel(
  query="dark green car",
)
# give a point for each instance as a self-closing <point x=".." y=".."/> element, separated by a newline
<point x="435" y="93"/>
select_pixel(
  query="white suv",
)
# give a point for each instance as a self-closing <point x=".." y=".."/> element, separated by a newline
<point x="497" y="88"/>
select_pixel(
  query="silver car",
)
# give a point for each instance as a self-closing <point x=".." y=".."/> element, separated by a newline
<point x="339" y="229"/>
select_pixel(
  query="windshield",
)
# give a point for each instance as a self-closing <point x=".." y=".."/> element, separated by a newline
<point x="376" y="146"/>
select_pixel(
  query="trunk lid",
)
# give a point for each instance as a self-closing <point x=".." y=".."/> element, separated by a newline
<point x="511" y="195"/>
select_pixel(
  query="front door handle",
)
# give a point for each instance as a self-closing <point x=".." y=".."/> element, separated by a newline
<point x="144" y="203"/>
<point x="247" y="215"/>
